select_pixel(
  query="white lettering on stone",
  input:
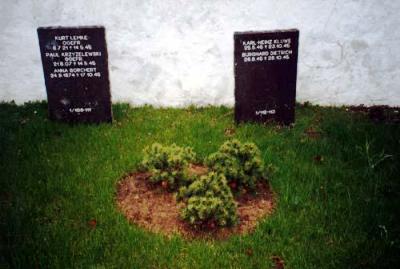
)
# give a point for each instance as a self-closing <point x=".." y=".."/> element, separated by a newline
<point x="80" y="109"/>
<point x="72" y="56"/>
<point x="266" y="112"/>
<point x="267" y="50"/>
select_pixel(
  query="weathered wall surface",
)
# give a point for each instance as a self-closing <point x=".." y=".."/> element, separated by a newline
<point x="177" y="52"/>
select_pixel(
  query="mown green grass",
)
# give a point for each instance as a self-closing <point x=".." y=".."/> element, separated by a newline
<point x="55" y="178"/>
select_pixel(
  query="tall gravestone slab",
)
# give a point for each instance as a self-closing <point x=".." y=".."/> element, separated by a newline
<point x="75" y="65"/>
<point x="265" y="75"/>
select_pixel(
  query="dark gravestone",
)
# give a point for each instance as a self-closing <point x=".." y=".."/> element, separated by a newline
<point x="265" y="75"/>
<point x="75" y="66"/>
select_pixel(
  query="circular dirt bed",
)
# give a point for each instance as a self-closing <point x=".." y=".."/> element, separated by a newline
<point x="154" y="208"/>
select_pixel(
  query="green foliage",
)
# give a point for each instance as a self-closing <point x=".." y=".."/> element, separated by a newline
<point x="240" y="163"/>
<point x="324" y="211"/>
<point x="209" y="200"/>
<point x="373" y="160"/>
<point x="209" y="185"/>
<point x="168" y="164"/>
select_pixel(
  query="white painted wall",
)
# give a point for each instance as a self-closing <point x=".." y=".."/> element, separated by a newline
<point x="180" y="52"/>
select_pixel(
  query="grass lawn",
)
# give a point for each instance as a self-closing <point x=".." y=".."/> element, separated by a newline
<point x="338" y="190"/>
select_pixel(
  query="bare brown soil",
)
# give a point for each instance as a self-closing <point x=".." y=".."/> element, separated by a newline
<point x="154" y="208"/>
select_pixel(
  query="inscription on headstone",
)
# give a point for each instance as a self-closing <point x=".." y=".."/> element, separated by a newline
<point x="265" y="75"/>
<point x="75" y="65"/>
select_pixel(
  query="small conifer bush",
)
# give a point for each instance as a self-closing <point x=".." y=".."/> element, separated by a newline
<point x="241" y="164"/>
<point x="168" y="164"/>
<point x="209" y="200"/>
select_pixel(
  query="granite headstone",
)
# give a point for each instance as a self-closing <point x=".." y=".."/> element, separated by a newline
<point x="265" y="75"/>
<point x="75" y="65"/>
